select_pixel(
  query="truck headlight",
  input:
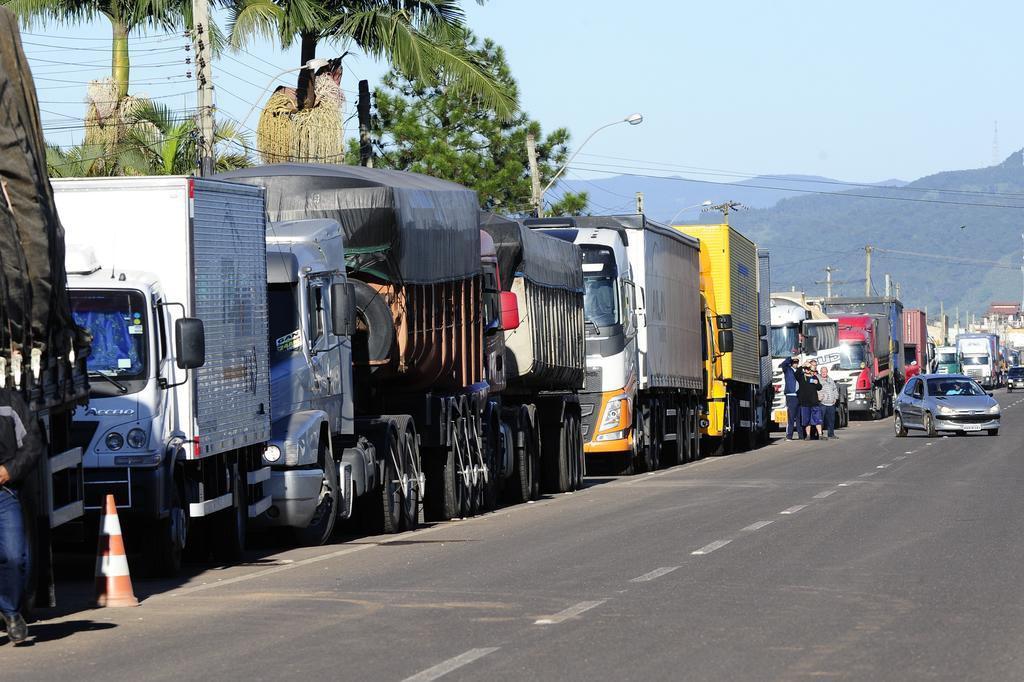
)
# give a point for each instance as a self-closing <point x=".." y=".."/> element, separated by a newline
<point x="614" y="412"/>
<point x="137" y="439"/>
<point x="114" y="441"/>
<point x="271" y="454"/>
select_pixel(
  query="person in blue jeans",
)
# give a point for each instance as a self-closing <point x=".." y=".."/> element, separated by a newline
<point x="18" y="459"/>
<point x="789" y="388"/>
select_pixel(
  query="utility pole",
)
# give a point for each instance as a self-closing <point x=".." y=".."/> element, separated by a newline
<point x="867" y="270"/>
<point x="888" y="285"/>
<point x="536" y="198"/>
<point x="1022" y="277"/>
<point x="363" y="110"/>
<point x="640" y="203"/>
<point x="828" y="281"/>
<point x="204" y="83"/>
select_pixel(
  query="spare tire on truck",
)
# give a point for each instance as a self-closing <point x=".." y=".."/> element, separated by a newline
<point x="375" y="328"/>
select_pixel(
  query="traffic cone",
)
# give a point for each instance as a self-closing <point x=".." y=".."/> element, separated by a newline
<point x="113" y="581"/>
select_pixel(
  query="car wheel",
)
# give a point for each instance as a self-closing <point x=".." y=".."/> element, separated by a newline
<point x="993" y="432"/>
<point x="929" y="425"/>
<point x="901" y="430"/>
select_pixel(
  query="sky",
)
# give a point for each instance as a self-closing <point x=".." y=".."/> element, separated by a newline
<point x="862" y="91"/>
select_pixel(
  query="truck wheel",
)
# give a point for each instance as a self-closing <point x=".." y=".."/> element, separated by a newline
<point x="471" y="477"/>
<point x="901" y="430"/>
<point x="391" y="508"/>
<point x="230" y="524"/>
<point x="322" y="524"/>
<point x="165" y="542"/>
<point x="929" y="425"/>
<point x="520" y="484"/>
<point x="412" y="507"/>
<point x="576" y="451"/>
<point x="555" y="456"/>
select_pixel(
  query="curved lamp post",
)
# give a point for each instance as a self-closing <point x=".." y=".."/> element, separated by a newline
<point x="632" y="119"/>
<point x="704" y="204"/>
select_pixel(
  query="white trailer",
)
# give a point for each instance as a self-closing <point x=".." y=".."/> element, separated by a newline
<point x="169" y="274"/>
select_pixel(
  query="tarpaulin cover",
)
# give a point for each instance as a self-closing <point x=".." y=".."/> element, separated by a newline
<point x="35" y="312"/>
<point x="542" y="259"/>
<point x="426" y="228"/>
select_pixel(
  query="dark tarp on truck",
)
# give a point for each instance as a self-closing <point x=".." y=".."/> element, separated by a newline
<point x="403" y="226"/>
<point x="36" y="327"/>
<point x="546" y="274"/>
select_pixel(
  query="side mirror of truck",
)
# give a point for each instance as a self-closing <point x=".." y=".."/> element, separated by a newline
<point x="764" y="348"/>
<point x="509" y="311"/>
<point x="189" y="342"/>
<point x="810" y="345"/>
<point x="343" y="309"/>
<point x="725" y="342"/>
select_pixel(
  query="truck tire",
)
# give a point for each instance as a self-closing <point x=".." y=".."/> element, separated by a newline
<point x="165" y="541"/>
<point x="321" y="526"/>
<point x="555" y="455"/>
<point x="391" y="509"/>
<point x="492" y="446"/>
<point x="375" y="327"/>
<point x="230" y="525"/>
<point x="412" y="507"/>
<point x="470" y="477"/>
<point x="576" y="450"/>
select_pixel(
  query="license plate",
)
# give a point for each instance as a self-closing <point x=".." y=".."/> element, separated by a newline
<point x="972" y="427"/>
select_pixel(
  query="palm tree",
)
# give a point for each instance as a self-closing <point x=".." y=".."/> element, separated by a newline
<point x="418" y="38"/>
<point x="160" y="143"/>
<point x="126" y="17"/>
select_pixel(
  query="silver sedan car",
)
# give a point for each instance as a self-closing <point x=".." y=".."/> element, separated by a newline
<point x="945" y="402"/>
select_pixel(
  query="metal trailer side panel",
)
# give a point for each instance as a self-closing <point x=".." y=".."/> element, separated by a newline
<point x="229" y="267"/>
<point x="733" y="260"/>
<point x="764" y="288"/>
<point x="666" y="270"/>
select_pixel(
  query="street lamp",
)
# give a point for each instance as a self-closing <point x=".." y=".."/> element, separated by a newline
<point x="705" y="204"/>
<point x="632" y="119"/>
<point x="312" y="65"/>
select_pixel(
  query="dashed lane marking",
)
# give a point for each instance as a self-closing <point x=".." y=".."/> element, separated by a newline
<point x="823" y="494"/>
<point x="570" y="612"/>
<point x="897" y="459"/>
<point x="794" y="509"/>
<point x="452" y="664"/>
<point x="759" y="525"/>
<point x="868" y="473"/>
<point x="656" y="573"/>
<point x="709" y="548"/>
<point x="882" y="466"/>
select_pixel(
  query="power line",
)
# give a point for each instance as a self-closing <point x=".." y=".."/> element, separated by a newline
<point x="155" y="38"/>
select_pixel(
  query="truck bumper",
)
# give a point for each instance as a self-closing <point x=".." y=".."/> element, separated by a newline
<point x="139" y="492"/>
<point x="295" y="494"/>
<point x="860" y="405"/>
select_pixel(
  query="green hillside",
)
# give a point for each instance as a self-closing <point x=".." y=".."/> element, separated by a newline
<point x="807" y="233"/>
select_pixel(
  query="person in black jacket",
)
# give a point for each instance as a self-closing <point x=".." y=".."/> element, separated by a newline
<point x="807" y="395"/>
<point x="19" y="454"/>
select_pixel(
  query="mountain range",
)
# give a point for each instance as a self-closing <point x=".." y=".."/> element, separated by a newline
<point x="953" y="238"/>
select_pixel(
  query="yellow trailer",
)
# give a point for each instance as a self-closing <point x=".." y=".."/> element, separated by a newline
<point x="736" y="393"/>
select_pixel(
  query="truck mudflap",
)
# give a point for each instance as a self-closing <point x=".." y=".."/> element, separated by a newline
<point x="69" y="461"/>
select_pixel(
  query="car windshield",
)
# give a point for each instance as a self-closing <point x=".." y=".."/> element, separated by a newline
<point x="117" y="321"/>
<point x="784" y="342"/>
<point x="852" y="355"/>
<point x="946" y="358"/>
<point x="975" y="359"/>
<point x="1017" y="372"/>
<point x="953" y="387"/>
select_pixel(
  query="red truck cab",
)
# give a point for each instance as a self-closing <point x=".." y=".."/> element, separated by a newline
<point x="915" y="343"/>
<point x="859" y="367"/>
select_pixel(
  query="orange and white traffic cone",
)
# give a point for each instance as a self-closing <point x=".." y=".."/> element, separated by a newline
<point x="113" y="581"/>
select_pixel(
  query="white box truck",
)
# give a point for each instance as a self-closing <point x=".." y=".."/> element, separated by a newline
<point x="169" y="275"/>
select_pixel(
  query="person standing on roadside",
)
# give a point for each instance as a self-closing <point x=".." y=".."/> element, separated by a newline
<point x="789" y="388"/>
<point x="829" y="396"/>
<point x="19" y="454"/>
<point x="807" y="395"/>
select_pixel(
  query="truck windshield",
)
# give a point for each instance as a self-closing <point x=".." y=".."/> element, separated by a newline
<point x="975" y="359"/>
<point x="852" y="355"/>
<point x="784" y="342"/>
<point x="117" y="320"/>
<point x="909" y="354"/>
<point x="1016" y="372"/>
<point x="600" y="280"/>
<point x="946" y="359"/>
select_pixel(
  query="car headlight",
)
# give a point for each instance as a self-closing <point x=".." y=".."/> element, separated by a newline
<point x="114" y="441"/>
<point x="994" y="409"/>
<point x="614" y="412"/>
<point x="271" y="454"/>
<point x="137" y="439"/>
<point x="946" y="410"/>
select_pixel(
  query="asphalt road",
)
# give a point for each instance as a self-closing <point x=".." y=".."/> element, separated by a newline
<point x="868" y="557"/>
